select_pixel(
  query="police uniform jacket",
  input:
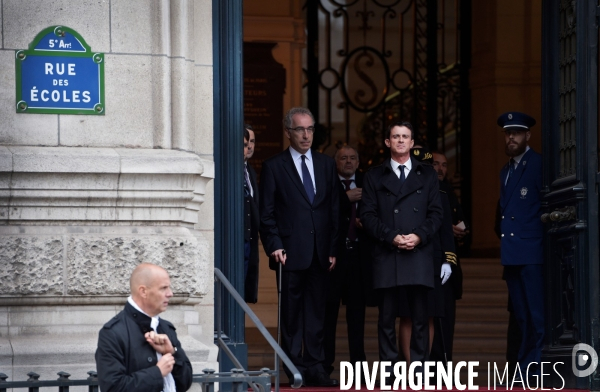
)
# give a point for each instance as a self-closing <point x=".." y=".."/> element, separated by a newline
<point x="127" y="363"/>
<point x="521" y="229"/>
<point x="389" y="209"/>
<point x="444" y="250"/>
<point x="456" y="279"/>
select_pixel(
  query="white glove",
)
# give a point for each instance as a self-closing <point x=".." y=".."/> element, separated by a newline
<point x="446" y="272"/>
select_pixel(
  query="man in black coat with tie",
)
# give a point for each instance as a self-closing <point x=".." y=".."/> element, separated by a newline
<point x="299" y="209"/>
<point x="251" y="221"/>
<point x="401" y="209"/>
<point x="350" y="281"/>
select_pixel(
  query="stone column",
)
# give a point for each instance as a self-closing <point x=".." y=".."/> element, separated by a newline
<point x="84" y="199"/>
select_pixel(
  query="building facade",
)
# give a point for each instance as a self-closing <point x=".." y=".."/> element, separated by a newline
<point x="85" y="198"/>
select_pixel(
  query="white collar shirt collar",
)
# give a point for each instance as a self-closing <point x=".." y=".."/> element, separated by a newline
<point x="297" y="158"/>
<point x="396" y="167"/>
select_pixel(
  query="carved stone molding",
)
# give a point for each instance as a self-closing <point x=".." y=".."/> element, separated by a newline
<point x="101" y="186"/>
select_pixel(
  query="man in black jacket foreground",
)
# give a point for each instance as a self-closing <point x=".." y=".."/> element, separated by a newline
<point x="138" y="351"/>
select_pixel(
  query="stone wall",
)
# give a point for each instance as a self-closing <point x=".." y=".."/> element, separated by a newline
<point x="83" y="199"/>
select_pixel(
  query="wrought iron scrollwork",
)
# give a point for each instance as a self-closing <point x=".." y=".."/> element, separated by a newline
<point x="375" y="66"/>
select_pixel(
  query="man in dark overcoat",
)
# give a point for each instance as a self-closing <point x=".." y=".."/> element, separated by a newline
<point x="299" y="207"/>
<point x="521" y="233"/>
<point x="402" y="210"/>
<point x="251" y="222"/>
<point x="137" y="350"/>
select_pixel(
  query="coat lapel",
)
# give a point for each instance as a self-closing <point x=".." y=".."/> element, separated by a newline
<point x="414" y="180"/>
<point x="290" y="168"/>
<point x="519" y="171"/>
<point x="320" y="177"/>
<point x="390" y="180"/>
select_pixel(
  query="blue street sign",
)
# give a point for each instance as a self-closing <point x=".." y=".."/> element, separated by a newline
<point x="59" y="74"/>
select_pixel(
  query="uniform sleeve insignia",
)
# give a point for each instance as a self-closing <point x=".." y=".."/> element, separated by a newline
<point x="523" y="193"/>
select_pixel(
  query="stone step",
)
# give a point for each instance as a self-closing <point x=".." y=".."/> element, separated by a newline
<point x="480" y="332"/>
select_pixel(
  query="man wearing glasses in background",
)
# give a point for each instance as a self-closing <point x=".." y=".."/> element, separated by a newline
<point x="299" y="208"/>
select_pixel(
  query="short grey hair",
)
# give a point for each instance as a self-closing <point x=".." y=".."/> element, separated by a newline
<point x="344" y="147"/>
<point x="287" y="120"/>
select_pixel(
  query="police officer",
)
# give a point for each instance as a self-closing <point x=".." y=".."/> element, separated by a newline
<point x="521" y="235"/>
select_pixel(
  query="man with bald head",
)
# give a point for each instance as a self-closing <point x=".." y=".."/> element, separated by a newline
<point x="138" y="351"/>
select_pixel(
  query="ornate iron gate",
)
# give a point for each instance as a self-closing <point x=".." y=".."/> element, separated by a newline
<point x="570" y="149"/>
<point x="371" y="62"/>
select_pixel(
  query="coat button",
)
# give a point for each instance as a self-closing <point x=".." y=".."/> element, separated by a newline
<point x="387" y="194"/>
<point x="512" y="217"/>
<point x="149" y="359"/>
<point x="418" y="191"/>
<point x="502" y="235"/>
<point x="502" y="216"/>
<point x="395" y="211"/>
<point x="415" y="209"/>
<point x="397" y="250"/>
<point x="312" y="232"/>
<point x="512" y="235"/>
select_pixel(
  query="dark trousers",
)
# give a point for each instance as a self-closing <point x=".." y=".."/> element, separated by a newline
<point x="302" y="317"/>
<point x="386" y="326"/>
<point x="513" y="340"/>
<point x="346" y="281"/>
<point x="526" y="289"/>
<point x="443" y="340"/>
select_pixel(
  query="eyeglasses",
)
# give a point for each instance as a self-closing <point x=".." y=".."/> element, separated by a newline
<point x="310" y="130"/>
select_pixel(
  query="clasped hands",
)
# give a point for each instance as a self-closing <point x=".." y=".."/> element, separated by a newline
<point x="162" y="344"/>
<point x="406" y="241"/>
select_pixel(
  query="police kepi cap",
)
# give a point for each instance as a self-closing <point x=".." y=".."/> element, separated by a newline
<point x="516" y="120"/>
<point x="421" y="154"/>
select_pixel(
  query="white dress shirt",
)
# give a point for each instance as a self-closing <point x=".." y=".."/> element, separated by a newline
<point x="407" y="167"/>
<point x="297" y="157"/>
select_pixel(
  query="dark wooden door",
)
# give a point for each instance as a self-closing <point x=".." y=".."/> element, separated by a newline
<point x="570" y="150"/>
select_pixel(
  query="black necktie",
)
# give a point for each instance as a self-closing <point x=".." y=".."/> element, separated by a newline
<point x="402" y="176"/>
<point x="307" y="181"/>
<point x="511" y="169"/>
<point x="247" y="185"/>
<point x="352" y="227"/>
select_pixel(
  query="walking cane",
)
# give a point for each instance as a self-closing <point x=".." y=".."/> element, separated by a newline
<point x="278" y="328"/>
<point x="443" y="341"/>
